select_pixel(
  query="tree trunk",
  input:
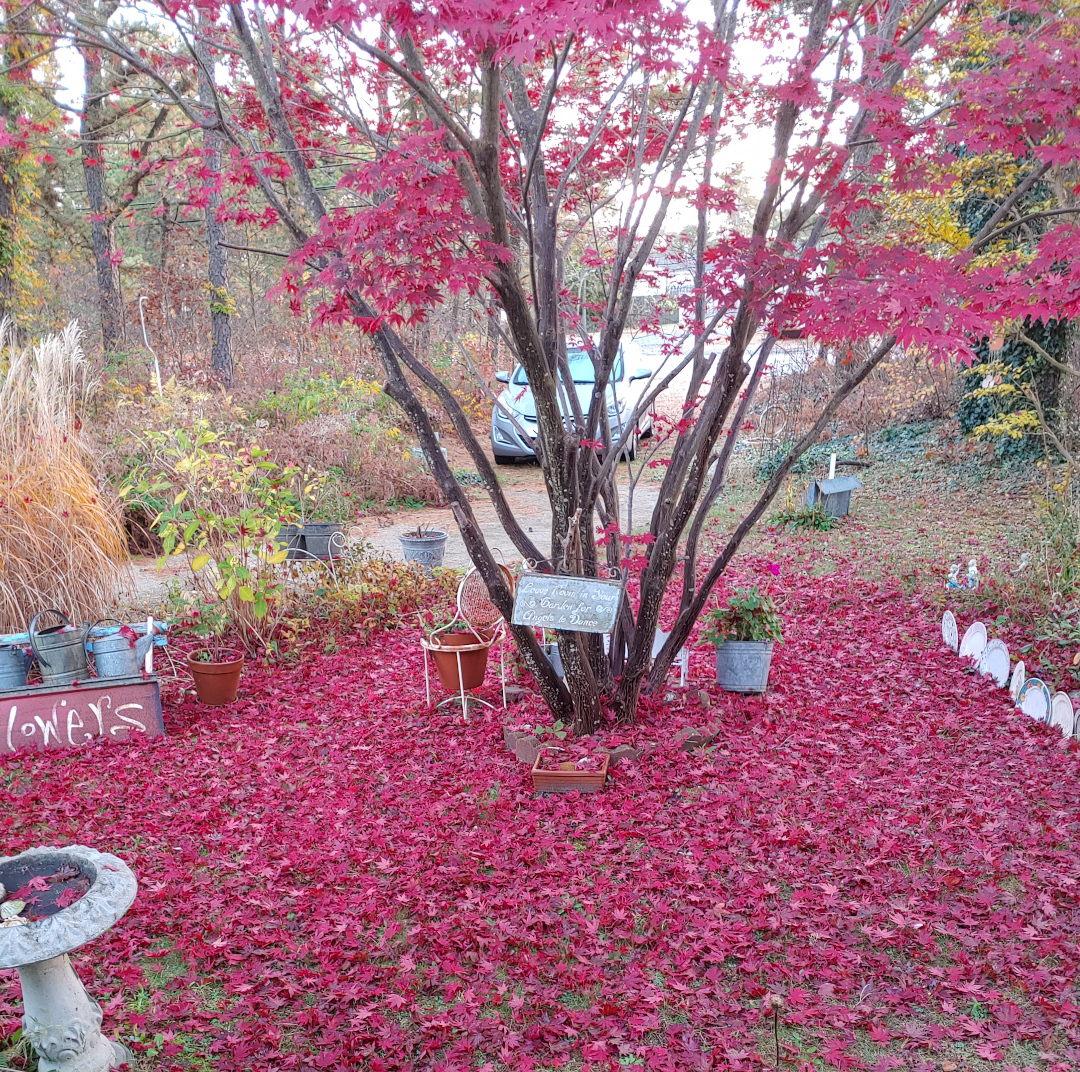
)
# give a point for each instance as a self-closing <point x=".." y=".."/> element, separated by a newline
<point x="14" y="51"/>
<point x="91" y="138"/>
<point x="9" y="195"/>
<point x="221" y="357"/>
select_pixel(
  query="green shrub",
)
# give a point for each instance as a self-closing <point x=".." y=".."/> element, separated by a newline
<point x="995" y="405"/>
<point x="806" y="517"/>
<point x="369" y="593"/>
<point x="224" y="508"/>
<point x="773" y="458"/>
<point x="748" y="615"/>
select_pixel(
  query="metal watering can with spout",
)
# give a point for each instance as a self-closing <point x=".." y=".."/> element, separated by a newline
<point x="60" y="649"/>
<point x="119" y="653"/>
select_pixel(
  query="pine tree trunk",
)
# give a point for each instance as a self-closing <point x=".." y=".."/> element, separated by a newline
<point x="221" y="357"/>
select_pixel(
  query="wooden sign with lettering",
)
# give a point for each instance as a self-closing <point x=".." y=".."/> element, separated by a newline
<point x="580" y="604"/>
<point x="66" y="716"/>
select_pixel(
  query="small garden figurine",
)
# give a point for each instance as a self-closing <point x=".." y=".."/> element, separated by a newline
<point x="969" y="584"/>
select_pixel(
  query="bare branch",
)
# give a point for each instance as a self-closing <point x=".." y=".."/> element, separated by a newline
<point x="1022" y="220"/>
<point x="987" y="231"/>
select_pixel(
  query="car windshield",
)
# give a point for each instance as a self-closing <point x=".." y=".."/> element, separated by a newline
<point x="581" y="368"/>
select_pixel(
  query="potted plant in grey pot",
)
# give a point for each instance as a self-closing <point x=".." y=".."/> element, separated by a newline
<point x="424" y="545"/>
<point x="321" y="533"/>
<point x="744" y="631"/>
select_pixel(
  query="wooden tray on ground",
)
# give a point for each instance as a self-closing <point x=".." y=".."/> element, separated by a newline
<point x="559" y="781"/>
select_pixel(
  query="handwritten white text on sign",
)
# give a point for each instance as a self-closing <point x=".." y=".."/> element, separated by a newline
<point x="581" y="604"/>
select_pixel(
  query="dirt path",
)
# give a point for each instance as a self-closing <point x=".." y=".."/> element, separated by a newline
<point x="524" y="487"/>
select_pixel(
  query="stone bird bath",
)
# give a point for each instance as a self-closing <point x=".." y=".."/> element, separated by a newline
<point x="59" y="1017"/>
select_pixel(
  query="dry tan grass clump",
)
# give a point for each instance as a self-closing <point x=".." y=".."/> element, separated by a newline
<point x="61" y="540"/>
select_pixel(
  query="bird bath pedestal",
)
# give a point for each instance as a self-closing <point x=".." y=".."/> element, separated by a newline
<point x="59" y="1017"/>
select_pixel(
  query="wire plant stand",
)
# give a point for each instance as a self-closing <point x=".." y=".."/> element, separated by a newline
<point x="336" y="547"/>
<point x="477" y="612"/>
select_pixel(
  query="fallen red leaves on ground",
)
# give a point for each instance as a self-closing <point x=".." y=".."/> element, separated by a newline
<point x="333" y="876"/>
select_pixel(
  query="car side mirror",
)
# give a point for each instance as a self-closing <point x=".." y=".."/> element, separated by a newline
<point x="641" y="374"/>
<point x="502" y="377"/>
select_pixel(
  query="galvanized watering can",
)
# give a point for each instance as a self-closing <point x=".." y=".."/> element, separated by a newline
<point x="14" y="663"/>
<point x="60" y="650"/>
<point x="117" y="655"/>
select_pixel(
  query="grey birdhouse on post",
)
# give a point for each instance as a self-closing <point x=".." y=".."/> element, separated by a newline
<point x="833" y="496"/>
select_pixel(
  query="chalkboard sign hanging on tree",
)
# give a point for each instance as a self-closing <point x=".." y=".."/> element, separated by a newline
<point x="576" y="604"/>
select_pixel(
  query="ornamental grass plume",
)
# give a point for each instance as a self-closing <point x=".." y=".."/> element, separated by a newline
<point x="61" y="540"/>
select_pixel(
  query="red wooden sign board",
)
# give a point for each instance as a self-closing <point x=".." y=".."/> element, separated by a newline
<point x="66" y="716"/>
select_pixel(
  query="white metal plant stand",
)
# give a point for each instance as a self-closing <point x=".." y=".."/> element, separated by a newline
<point x="681" y="659"/>
<point x="478" y="613"/>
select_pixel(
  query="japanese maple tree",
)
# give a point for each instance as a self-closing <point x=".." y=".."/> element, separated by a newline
<point x="410" y="153"/>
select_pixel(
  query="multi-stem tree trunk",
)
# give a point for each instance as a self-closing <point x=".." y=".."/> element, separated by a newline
<point x="530" y="223"/>
<point x="93" y="133"/>
<point x="221" y="357"/>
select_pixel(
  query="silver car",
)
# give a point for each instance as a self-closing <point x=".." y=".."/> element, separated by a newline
<point x="513" y="438"/>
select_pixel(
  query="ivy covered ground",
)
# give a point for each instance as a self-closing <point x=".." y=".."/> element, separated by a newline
<point x="333" y="876"/>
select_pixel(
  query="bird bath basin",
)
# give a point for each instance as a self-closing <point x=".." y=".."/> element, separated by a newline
<point x="59" y="1017"/>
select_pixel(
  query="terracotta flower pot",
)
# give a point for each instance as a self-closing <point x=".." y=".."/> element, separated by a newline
<point x="216" y="683"/>
<point x="472" y="653"/>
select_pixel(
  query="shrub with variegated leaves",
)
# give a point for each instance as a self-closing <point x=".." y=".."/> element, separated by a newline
<point x="227" y="505"/>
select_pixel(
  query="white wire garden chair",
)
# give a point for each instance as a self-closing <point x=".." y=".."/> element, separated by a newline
<point x="477" y="612"/>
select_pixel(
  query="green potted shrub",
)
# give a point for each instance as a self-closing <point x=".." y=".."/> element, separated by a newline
<point x="743" y="631"/>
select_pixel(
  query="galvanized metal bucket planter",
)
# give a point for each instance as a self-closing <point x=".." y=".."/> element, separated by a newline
<point x="427" y="550"/>
<point x="116" y="655"/>
<point x="323" y="539"/>
<point x="833" y="495"/>
<point x="313" y="540"/>
<point x="743" y="665"/>
<point x="60" y="650"/>
<point x="291" y="538"/>
<point x="14" y="663"/>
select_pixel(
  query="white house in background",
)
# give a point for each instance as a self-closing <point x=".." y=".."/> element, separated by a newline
<point x="667" y="279"/>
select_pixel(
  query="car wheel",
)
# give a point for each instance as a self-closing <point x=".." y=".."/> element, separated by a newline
<point x="650" y="429"/>
<point x="630" y="450"/>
